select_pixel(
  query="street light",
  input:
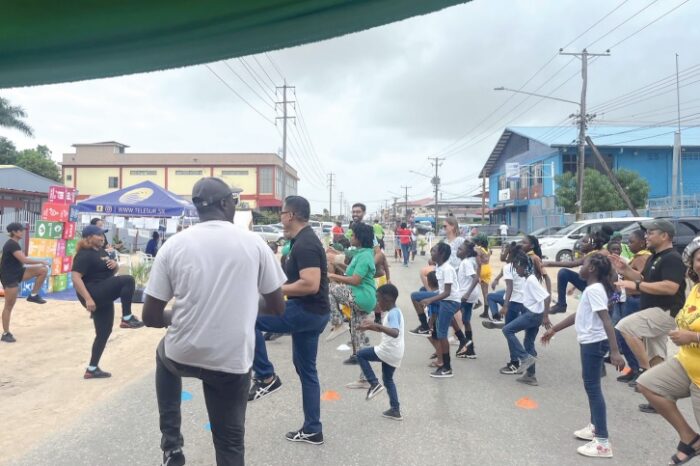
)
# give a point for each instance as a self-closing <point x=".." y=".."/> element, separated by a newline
<point x="419" y="173"/>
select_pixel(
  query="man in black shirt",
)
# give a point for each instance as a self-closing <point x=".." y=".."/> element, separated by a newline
<point x="306" y="314"/>
<point x="662" y="293"/>
<point x="13" y="271"/>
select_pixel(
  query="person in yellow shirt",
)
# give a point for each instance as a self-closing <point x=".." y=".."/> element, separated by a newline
<point x="485" y="274"/>
<point x="679" y="377"/>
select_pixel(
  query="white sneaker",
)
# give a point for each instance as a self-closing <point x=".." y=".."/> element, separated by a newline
<point x="453" y="340"/>
<point x="587" y="433"/>
<point x="336" y="332"/>
<point x="360" y="384"/>
<point x="596" y="449"/>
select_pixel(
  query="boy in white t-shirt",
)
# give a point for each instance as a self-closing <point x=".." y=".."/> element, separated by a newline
<point x="389" y="351"/>
<point x="536" y="302"/>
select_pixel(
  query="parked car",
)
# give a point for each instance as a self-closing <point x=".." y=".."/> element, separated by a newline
<point x="268" y="232"/>
<point x="326" y="227"/>
<point x="687" y="228"/>
<point x="423" y="227"/>
<point x="560" y="246"/>
<point x="546" y="231"/>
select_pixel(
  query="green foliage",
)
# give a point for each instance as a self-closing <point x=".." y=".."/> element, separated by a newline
<point x="266" y="217"/>
<point x="39" y="161"/>
<point x="11" y="116"/>
<point x="141" y="271"/>
<point x="599" y="194"/>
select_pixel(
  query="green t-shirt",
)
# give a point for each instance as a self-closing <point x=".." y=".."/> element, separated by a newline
<point x="365" y="293"/>
<point x="378" y="230"/>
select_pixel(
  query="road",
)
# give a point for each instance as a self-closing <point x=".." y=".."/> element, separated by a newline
<point x="473" y="418"/>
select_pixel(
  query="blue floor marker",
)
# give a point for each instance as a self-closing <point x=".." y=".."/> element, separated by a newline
<point x="207" y="426"/>
<point x="186" y="396"/>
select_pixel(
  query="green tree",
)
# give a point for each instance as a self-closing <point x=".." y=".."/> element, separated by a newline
<point x="8" y="152"/>
<point x="39" y="161"/>
<point x="11" y="117"/>
<point x="599" y="194"/>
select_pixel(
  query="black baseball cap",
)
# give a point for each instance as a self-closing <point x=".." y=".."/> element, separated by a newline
<point x="91" y="230"/>
<point x="211" y="190"/>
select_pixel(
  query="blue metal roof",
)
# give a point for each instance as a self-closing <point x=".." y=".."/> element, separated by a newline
<point x="619" y="136"/>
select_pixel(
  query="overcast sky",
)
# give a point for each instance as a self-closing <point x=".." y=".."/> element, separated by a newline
<point x="378" y="103"/>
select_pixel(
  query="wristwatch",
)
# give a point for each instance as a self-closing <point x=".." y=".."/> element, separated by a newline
<point x="636" y="284"/>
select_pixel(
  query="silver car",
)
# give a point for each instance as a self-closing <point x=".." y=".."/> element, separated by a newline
<point x="268" y="232"/>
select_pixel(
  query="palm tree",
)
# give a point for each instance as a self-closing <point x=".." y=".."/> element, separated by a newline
<point x="11" y="117"/>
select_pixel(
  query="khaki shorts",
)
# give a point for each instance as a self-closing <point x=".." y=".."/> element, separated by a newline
<point x="652" y="325"/>
<point x="671" y="381"/>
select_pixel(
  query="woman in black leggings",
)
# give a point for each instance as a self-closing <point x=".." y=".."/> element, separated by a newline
<point x="97" y="287"/>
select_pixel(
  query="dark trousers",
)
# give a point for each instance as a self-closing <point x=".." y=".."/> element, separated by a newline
<point x="104" y="293"/>
<point x="406" y="251"/>
<point x="530" y="323"/>
<point x="226" y="397"/>
<point x="592" y="356"/>
<point x="564" y="277"/>
<point x="305" y="328"/>
<point x="629" y="307"/>
<point x="367" y="355"/>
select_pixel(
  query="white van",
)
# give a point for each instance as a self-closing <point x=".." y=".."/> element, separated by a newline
<point x="560" y="246"/>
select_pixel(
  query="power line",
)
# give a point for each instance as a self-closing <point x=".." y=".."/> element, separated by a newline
<point x="239" y="95"/>
<point x="265" y="71"/>
<point x="265" y="101"/>
<point x="621" y="24"/>
<point x="274" y="66"/>
<point x="257" y="79"/>
<point x="649" y="24"/>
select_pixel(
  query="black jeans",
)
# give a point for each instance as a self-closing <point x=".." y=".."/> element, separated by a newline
<point x="104" y="293"/>
<point x="226" y="397"/>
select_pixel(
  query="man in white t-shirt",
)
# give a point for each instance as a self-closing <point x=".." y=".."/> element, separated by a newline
<point x="216" y="273"/>
<point x="504" y="233"/>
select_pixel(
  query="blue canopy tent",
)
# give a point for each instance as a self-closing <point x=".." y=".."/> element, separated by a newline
<point x="145" y="199"/>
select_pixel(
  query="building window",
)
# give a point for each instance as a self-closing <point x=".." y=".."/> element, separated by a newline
<point x="502" y="182"/>
<point x="569" y="163"/>
<point x="234" y="172"/>
<point x="113" y="182"/>
<point x="143" y="172"/>
<point x="265" y="181"/>
<point x="189" y="172"/>
<point x="537" y="173"/>
<point x="69" y="177"/>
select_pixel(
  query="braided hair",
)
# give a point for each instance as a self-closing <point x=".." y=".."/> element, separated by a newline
<point x="603" y="271"/>
<point x="520" y="259"/>
<point x="535" y="245"/>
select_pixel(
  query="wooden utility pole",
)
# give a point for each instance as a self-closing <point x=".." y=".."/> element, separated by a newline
<point x="612" y="178"/>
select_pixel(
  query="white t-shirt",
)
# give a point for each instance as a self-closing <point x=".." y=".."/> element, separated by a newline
<point x="216" y="273"/>
<point x="390" y="350"/>
<point x="504" y="230"/>
<point x="589" y="325"/>
<point x="466" y="275"/>
<point x="509" y="273"/>
<point x="446" y="274"/>
<point x="534" y="295"/>
<point x="454" y="245"/>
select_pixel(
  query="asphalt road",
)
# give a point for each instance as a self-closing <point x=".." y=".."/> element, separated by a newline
<point x="473" y="418"/>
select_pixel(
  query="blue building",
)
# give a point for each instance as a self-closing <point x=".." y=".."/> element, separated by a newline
<point x="524" y="198"/>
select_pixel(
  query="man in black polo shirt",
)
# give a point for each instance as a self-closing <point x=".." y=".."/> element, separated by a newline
<point x="305" y="316"/>
<point x="662" y="293"/>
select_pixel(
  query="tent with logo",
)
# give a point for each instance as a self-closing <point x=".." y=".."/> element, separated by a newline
<point x="145" y="199"/>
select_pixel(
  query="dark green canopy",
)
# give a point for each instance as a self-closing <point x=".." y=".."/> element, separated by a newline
<point x="51" y="41"/>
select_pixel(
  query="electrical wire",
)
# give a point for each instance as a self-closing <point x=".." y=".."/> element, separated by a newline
<point x="265" y="101"/>
<point x="649" y="24"/>
<point x="239" y="95"/>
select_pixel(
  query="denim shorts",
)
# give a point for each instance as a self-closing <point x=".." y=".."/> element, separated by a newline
<point x="466" y="311"/>
<point x="444" y="319"/>
<point x="419" y="296"/>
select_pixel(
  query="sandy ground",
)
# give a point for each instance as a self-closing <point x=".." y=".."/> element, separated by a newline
<point x="42" y="389"/>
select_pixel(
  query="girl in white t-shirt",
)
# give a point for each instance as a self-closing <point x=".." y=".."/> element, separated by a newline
<point x="596" y="335"/>
<point x="468" y="279"/>
<point x="449" y="298"/>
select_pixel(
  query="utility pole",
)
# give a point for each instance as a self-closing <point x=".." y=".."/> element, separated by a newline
<point x="677" y="152"/>
<point x="395" y="199"/>
<point x="483" y="199"/>
<point x="437" y="163"/>
<point x="583" y="120"/>
<point x="330" y="195"/>
<point x="340" y="213"/>
<point x="406" y="188"/>
<point x="284" y="119"/>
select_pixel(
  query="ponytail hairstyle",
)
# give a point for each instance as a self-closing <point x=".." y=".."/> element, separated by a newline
<point x="603" y="271"/>
<point x="520" y="259"/>
<point x="444" y="251"/>
<point x="535" y="245"/>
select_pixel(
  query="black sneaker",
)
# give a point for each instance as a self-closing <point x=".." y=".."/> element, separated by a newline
<point x="633" y="383"/>
<point x="131" y="323"/>
<point x="173" y="458"/>
<point x="441" y="373"/>
<point x="493" y="324"/>
<point x="460" y="348"/>
<point x="96" y="374"/>
<point x="374" y="390"/>
<point x="36" y="299"/>
<point x="510" y="369"/>
<point x="471" y="354"/>
<point x="393" y="414"/>
<point x="647" y="408"/>
<point x="8" y="338"/>
<point x="351" y="361"/>
<point x="420" y="331"/>
<point x="557" y="309"/>
<point x="484" y="315"/>
<point x="260" y="389"/>
<point x="301" y="436"/>
<point x="627" y="377"/>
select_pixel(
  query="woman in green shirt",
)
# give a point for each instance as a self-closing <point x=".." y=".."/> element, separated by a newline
<point x="356" y="289"/>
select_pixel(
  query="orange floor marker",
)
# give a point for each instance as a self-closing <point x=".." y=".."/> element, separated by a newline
<point x="330" y="395"/>
<point x="526" y="403"/>
<point x="626" y="371"/>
